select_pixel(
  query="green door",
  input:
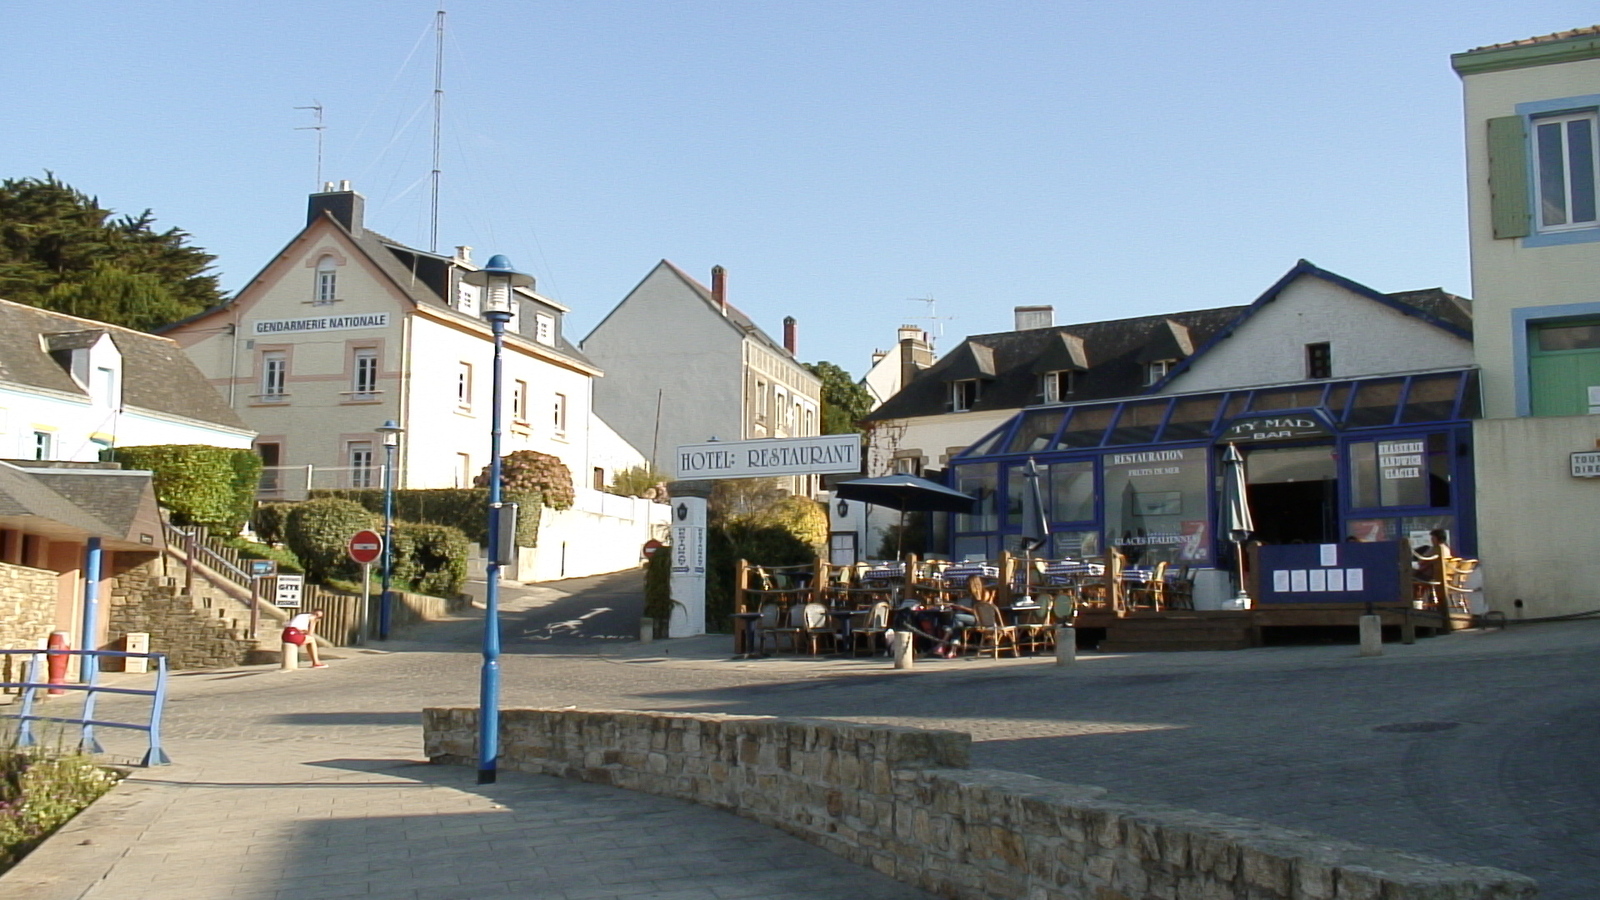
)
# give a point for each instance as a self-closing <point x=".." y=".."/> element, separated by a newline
<point x="1563" y="363"/>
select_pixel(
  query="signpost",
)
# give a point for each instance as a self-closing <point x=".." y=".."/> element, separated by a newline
<point x="365" y="548"/>
<point x="259" y="569"/>
<point x="818" y="455"/>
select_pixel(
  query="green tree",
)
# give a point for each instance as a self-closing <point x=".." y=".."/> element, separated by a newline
<point x="844" y="401"/>
<point x="61" y="250"/>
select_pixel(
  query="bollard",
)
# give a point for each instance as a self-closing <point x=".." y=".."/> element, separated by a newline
<point x="291" y="657"/>
<point x="900" y="647"/>
<point x="1066" y="645"/>
<point x="1371" y="636"/>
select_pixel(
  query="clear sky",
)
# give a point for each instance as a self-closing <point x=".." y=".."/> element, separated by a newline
<point x="840" y="159"/>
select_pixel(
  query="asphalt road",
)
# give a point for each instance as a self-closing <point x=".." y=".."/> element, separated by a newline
<point x="1477" y="748"/>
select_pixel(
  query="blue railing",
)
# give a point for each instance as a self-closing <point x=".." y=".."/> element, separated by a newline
<point x="87" y="742"/>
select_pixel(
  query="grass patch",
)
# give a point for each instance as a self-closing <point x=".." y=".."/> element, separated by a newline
<point x="40" y="790"/>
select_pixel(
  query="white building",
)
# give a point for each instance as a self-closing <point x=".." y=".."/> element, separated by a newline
<point x="345" y="329"/>
<point x="73" y="388"/>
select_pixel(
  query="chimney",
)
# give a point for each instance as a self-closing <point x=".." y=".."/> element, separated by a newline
<point x="344" y="204"/>
<point x="790" y="334"/>
<point x="1030" y="317"/>
<point x="916" y="354"/>
<point x="719" y="287"/>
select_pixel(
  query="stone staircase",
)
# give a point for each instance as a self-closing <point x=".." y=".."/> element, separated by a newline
<point x="203" y="624"/>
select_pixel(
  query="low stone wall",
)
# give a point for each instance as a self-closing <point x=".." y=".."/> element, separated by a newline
<point x="903" y="802"/>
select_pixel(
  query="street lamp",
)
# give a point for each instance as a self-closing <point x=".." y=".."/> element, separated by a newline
<point x="498" y="280"/>
<point x="391" y="432"/>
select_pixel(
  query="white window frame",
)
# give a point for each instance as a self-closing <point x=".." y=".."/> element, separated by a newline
<point x="364" y="373"/>
<point x="464" y="385"/>
<point x="359" y="456"/>
<point x="544" y="328"/>
<point x="1537" y="126"/>
<point x="519" y="401"/>
<point x="559" y="419"/>
<point x="965" y="394"/>
<point x="1156" y="370"/>
<point x="1052" y="391"/>
<point x="274" y="375"/>
<point x="44" y="444"/>
<point x="327" y="286"/>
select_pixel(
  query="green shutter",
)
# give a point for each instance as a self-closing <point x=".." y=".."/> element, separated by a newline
<point x="1508" y="177"/>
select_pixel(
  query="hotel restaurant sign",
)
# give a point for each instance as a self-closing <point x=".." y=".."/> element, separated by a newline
<point x="823" y="455"/>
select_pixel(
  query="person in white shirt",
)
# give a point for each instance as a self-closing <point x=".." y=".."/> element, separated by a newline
<point x="300" y="631"/>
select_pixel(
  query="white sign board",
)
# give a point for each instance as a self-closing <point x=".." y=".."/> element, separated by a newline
<point x="265" y="327"/>
<point x="1586" y="464"/>
<point x="289" y="590"/>
<point x="821" y="455"/>
<point x="688" y="578"/>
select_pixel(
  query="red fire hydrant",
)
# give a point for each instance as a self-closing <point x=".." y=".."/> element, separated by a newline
<point x="57" y="662"/>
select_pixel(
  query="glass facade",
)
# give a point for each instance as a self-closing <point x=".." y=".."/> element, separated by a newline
<point x="1368" y="459"/>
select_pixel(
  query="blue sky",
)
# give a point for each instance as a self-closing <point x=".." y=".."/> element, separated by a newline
<point x="840" y="159"/>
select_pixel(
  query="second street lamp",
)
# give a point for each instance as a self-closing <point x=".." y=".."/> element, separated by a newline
<point x="391" y="432"/>
<point x="499" y="282"/>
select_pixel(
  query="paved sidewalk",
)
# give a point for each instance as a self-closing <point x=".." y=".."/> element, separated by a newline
<point x="243" y="821"/>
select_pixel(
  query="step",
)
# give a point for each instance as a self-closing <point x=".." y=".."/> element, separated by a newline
<point x="1169" y="646"/>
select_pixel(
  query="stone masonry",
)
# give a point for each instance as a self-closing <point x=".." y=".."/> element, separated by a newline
<point x="145" y="599"/>
<point x="903" y="801"/>
<point x="27" y="606"/>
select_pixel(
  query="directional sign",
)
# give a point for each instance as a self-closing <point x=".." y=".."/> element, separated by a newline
<point x="290" y="588"/>
<point x="366" y="546"/>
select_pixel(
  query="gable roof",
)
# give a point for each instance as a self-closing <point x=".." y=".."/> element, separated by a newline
<point x="736" y="319"/>
<point x="157" y="375"/>
<point x="1445" y="311"/>
<point x="76" y="501"/>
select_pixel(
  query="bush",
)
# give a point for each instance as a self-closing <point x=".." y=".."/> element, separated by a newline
<point x="39" y="792"/>
<point x="466" y="509"/>
<point x="269" y="520"/>
<point x="435" y="558"/>
<point x="752" y="519"/>
<point x="198" y="483"/>
<point x="319" y="531"/>
<point x="639" y="481"/>
<point x="532" y="472"/>
<point x="658" y="602"/>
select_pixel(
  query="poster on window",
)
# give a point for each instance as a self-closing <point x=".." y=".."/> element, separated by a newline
<point x="1192" y="547"/>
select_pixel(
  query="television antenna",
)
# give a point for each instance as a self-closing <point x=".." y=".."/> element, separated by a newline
<point x="319" y="128"/>
<point x="933" y="314"/>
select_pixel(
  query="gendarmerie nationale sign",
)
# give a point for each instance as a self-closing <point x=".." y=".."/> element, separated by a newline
<point x="821" y="455"/>
<point x="319" y="323"/>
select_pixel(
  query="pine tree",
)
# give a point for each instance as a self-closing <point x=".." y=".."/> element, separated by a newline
<point x="61" y="250"/>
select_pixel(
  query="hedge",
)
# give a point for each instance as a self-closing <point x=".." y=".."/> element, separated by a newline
<point x="199" y="484"/>
<point x="466" y="509"/>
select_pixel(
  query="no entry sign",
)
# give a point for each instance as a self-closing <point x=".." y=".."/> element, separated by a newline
<point x="366" y="546"/>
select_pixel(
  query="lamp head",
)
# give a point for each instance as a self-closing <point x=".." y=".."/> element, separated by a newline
<point x="391" y="432"/>
<point x="498" y="280"/>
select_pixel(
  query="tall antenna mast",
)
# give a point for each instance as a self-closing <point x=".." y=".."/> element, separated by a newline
<point x="438" y="112"/>
<point x="316" y="109"/>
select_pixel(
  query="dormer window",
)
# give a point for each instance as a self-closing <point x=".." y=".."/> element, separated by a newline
<point x="965" y="393"/>
<point x="1056" y="387"/>
<point x="327" y="281"/>
<point x="544" y="329"/>
<point x="1157" y="370"/>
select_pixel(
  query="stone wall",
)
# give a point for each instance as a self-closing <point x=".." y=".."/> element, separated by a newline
<point x="144" y="598"/>
<point x="903" y="802"/>
<point x="27" y="606"/>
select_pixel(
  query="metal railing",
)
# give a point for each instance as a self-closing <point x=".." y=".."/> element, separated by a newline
<point x="86" y="721"/>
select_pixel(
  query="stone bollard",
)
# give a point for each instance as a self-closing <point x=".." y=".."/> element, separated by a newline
<point x="1066" y="645"/>
<point x="290" y="660"/>
<point x="901" y="644"/>
<point x="1371" y="636"/>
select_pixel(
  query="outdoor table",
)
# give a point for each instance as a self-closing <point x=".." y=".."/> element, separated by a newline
<point x="752" y="640"/>
<point x="845" y="621"/>
<point x="962" y="573"/>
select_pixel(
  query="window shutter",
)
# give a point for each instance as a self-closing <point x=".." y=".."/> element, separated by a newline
<point x="1508" y="177"/>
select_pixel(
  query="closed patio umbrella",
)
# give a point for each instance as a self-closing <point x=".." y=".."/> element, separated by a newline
<point x="1236" y="514"/>
<point x="1035" y="524"/>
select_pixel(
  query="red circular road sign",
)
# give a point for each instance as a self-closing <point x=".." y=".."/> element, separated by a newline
<point x="366" y="546"/>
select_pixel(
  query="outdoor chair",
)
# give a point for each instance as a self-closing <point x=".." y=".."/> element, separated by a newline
<point x="991" y="631"/>
<point x="873" y="632"/>
<point x="773" y="628"/>
<point x="811" y="623"/>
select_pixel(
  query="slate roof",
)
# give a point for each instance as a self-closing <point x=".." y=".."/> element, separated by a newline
<point x="81" y="500"/>
<point x="157" y="375"/>
<point x="1110" y="351"/>
<point x="1111" y="357"/>
<point x="1543" y="38"/>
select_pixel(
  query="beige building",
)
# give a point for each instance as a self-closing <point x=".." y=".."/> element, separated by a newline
<point x="1531" y="132"/>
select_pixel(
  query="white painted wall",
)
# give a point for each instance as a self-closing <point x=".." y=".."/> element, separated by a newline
<point x="664" y="338"/>
<point x="600" y="533"/>
<point x="1366" y="338"/>
<point x="74" y="423"/>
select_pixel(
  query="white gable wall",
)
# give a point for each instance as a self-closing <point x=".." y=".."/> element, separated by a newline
<point x="1366" y="337"/>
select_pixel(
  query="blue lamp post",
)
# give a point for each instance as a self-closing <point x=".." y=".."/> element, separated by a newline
<point x="499" y="281"/>
<point x="391" y="432"/>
